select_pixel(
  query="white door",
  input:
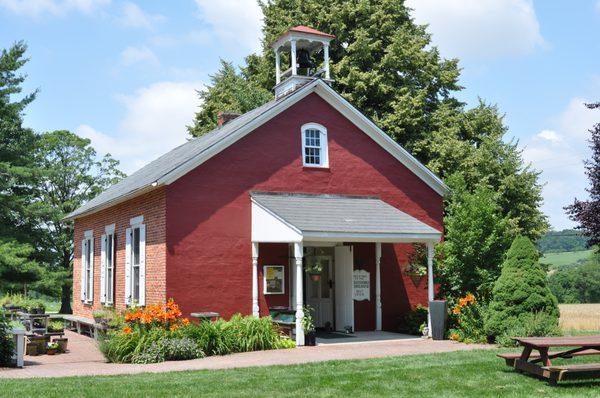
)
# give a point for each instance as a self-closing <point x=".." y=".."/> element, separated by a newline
<point x="344" y="304"/>
<point x="318" y="291"/>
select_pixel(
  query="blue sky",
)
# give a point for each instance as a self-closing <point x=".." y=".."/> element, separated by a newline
<point x="124" y="73"/>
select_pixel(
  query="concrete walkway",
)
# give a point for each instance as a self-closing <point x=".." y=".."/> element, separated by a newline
<point x="84" y="359"/>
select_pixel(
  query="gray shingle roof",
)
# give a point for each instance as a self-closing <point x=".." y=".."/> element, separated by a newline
<point x="171" y="161"/>
<point x="340" y="213"/>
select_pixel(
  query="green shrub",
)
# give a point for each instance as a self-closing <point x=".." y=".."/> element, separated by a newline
<point x="179" y="349"/>
<point x="285" y="342"/>
<point x="6" y="341"/>
<point x="412" y="323"/>
<point x="520" y="292"/>
<point x="529" y="325"/>
<point x="152" y="354"/>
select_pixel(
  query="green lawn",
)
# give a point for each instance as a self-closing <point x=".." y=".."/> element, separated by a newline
<point x="565" y="259"/>
<point x="458" y="374"/>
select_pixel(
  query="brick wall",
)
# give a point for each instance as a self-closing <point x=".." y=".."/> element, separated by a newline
<point x="152" y="207"/>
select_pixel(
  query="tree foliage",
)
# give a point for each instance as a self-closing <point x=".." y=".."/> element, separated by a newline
<point x="229" y="91"/>
<point x="567" y="240"/>
<point x="578" y="284"/>
<point x="17" y="239"/>
<point x="68" y="175"/>
<point x="477" y="237"/>
<point x="587" y="213"/>
<point x="520" y="291"/>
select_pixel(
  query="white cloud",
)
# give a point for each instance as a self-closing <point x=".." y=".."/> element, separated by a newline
<point x="133" y="16"/>
<point x="37" y="8"/>
<point x="135" y="55"/>
<point x="155" y="122"/>
<point x="559" y="153"/>
<point x="480" y="28"/>
<point x="234" y="22"/>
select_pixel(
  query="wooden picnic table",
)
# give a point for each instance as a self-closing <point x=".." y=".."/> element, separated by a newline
<point x="540" y="363"/>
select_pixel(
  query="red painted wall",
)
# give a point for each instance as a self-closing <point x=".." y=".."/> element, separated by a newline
<point x="209" y="215"/>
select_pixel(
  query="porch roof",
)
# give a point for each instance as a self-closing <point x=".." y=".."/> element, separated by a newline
<point x="296" y="217"/>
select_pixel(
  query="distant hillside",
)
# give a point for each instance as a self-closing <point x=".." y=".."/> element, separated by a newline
<point x="567" y="240"/>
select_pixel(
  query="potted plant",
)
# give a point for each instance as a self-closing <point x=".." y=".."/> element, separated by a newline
<point x="52" y="348"/>
<point x="310" y="334"/>
<point x="99" y="316"/>
<point x="56" y="327"/>
<point x="314" y="269"/>
<point x="62" y="344"/>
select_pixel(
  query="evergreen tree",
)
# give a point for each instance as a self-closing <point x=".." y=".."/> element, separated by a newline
<point x="587" y="213"/>
<point x="69" y="174"/>
<point x="17" y="240"/>
<point x="521" y="291"/>
<point x="229" y="91"/>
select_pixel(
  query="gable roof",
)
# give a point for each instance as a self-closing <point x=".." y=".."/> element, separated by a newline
<point x="186" y="157"/>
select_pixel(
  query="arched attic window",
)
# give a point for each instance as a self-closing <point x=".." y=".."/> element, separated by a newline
<point x="314" y="145"/>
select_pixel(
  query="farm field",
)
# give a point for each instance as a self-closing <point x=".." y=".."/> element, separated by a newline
<point x="580" y="317"/>
<point x="477" y="373"/>
<point x="564" y="259"/>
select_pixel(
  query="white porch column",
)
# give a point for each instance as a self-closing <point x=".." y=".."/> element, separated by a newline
<point x="429" y="281"/>
<point x="298" y="252"/>
<point x="255" y="309"/>
<point x="293" y="55"/>
<point x="378" y="286"/>
<point x="326" y="59"/>
<point x="277" y="67"/>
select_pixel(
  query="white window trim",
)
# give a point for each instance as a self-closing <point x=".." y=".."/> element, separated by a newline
<point x="324" y="145"/>
<point x="104" y="280"/>
<point x="135" y="221"/>
<point x="87" y="294"/>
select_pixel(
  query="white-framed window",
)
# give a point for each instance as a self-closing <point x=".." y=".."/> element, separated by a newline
<point x="107" y="272"/>
<point x="87" y="267"/>
<point x="135" y="262"/>
<point x="314" y="145"/>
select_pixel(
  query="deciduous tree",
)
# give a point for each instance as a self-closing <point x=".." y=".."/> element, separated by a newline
<point x="69" y="173"/>
<point x="587" y="212"/>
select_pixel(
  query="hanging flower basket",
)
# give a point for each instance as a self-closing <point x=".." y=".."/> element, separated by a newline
<point x="315" y="277"/>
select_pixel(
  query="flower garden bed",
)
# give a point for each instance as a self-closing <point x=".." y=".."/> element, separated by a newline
<point x="159" y="333"/>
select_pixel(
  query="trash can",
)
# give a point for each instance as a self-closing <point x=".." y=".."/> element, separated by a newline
<point x="439" y="314"/>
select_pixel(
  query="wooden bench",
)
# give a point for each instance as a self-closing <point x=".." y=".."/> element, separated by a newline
<point x="84" y="325"/>
<point x="511" y="358"/>
<point x="568" y="372"/>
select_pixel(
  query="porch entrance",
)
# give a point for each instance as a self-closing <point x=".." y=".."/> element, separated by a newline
<point x="329" y="292"/>
<point x="319" y="289"/>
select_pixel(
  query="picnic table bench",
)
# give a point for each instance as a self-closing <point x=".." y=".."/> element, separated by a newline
<point x="540" y="363"/>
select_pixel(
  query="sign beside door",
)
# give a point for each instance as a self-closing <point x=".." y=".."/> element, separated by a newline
<point x="361" y="283"/>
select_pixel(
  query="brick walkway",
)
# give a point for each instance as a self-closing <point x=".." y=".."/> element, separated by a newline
<point x="84" y="359"/>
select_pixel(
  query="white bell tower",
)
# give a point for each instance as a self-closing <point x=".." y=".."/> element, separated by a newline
<point x="302" y="43"/>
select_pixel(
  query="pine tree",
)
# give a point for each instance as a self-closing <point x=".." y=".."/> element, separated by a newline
<point x="17" y="143"/>
<point x="587" y="213"/>
<point x="521" y="291"/>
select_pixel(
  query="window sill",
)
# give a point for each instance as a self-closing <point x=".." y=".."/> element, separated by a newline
<point x="316" y="168"/>
<point x="88" y="303"/>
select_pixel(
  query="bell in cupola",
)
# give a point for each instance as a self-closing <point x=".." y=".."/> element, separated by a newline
<point x="304" y="46"/>
<point x="303" y="59"/>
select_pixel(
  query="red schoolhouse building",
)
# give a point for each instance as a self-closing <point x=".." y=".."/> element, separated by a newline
<point x="301" y="201"/>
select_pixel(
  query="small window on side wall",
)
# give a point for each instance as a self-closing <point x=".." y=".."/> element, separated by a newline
<point x="314" y="145"/>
